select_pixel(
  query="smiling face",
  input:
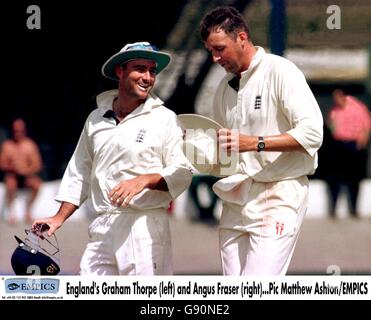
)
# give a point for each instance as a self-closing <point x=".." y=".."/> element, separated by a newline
<point x="136" y="78"/>
<point x="230" y="53"/>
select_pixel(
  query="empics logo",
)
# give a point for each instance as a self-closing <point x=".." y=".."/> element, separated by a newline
<point x="13" y="286"/>
<point x="31" y="286"/>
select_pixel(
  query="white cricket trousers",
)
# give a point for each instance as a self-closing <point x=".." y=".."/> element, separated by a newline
<point x="259" y="238"/>
<point x="134" y="242"/>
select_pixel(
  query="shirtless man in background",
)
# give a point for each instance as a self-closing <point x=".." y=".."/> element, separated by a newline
<point x="21" y="162"/>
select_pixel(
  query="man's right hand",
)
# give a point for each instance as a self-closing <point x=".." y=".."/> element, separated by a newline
<point x="51" y="224"/>
<point x="56" y="221"/>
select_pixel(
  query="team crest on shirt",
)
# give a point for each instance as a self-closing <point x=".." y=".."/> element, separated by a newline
<point x="140" y="136"/>
<point x="258" y="102"/>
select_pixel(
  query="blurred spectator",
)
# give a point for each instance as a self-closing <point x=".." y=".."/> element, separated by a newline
<point x="3" y="137"/>
<point x="21" y="162"/>
<point x="349" y="121"/>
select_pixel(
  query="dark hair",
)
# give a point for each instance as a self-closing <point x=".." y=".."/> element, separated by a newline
<point x="226" y="18"/>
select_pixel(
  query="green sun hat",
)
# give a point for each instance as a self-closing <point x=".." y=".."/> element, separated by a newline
<point x="137" y="50"/>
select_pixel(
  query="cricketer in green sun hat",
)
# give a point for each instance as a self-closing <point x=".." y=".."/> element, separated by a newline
<point x="137" y="50"/>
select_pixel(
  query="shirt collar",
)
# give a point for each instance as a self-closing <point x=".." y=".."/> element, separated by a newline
<point x="257" y="58"/>
<point x="234" y="81"/>
<point x="105" y="100"/>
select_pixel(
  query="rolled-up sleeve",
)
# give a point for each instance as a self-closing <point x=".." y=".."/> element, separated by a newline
<point x="75" y="184"/>
<point x="176" y="172"/>
<point x="302" y="111"/>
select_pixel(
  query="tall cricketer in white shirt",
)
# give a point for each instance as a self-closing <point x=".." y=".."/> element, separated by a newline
<point x="275" y="123"/>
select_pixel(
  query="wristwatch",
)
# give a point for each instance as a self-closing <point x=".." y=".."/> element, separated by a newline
<point x="261" y="144"/>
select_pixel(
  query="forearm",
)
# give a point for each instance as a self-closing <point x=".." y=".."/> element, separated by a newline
<point x="35" y="164"/>
<point x="155" y="181"/>
<point x="5" y="164"/>
<point x="362" y="141"/>
<point x="122" y="193"/>
<point x="35" y="168"/>
<point x="30" y="171"/>
<point x="55" y="222"/>
<point x="283" y="142"/>
<point x="22" y="168"/>
<point x="6" y="167"/>
<point x="65" y="211"/>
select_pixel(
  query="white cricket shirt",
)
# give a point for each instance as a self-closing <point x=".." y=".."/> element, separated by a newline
<point x="273" y="98"/>
<point x="148" y="140"/>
